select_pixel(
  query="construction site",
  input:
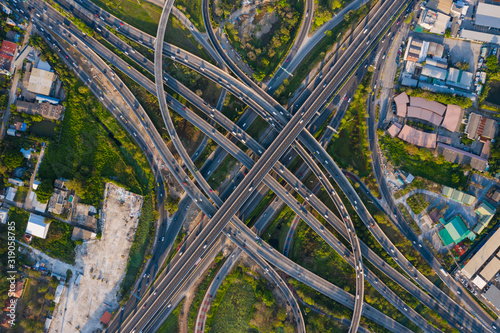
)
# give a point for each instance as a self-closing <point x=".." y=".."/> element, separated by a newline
<point x="103" y="263"/>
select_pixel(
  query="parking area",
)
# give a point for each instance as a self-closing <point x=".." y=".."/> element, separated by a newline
<point x="103" y="262"/>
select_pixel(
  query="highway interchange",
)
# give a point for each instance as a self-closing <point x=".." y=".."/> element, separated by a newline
<point x="290" y="130"/>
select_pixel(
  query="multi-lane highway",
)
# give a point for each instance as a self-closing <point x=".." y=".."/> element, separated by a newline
<point x="239" y="192"/>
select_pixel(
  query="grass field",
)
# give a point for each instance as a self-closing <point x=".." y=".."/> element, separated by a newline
<point x="350" y="147"/>
<point x="275" y="233"/>
<point x="145" y="16"/>
<point x="140" y="14"/>
<point x="258" y="127"/>
<point x="254" y="215"/>
<point x="58" y="243"/>
<point x="235" y="310"/>
<point x="222" y="171"/>
<point x="192" y="9"/>
<point x="178" y="35"/>
<point x="422" y="162"/>
<point x="245" y="303"/>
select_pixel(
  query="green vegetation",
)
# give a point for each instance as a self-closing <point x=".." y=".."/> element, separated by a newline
<point x="5" y="82"/>
<point x="222" y="172"/>
<point x="264" y="54"/>
<point x="418" y="183"/>
<point x="350" y="147"/>
<point x="311" y="252"/>
<point x="145" y="51"/>
<point x="492" y="64"/>
<point x="410" y="219"/>
<point x="462" y="65"/>
<point x="178" y="35"/>
<point x="203" y="87"/>
<point x="409" y="18"/>
<point x="202" y="288"/>
<point x="233" y="107"/>
<point x="76" y="21"/>
<point x="192" y="10"/>
<point x="10" y="158"/>
<point x="324" y="11"/>
<point x="254" y="215"/>
<point x="36" y="302"/>
<point x="491" y="86"/>
<point x="224" y="8"/>
<point x="44" y="191"/>
<point x="171" y="324"/>
<point x="58" y="243"/>
<point x="422" y="162"/>
<point x="20" y="218"/>
<point x="148" y="101"/>
<point x="417" y="203"/>
<point x="141" y="14"/>
<point x="245" y="303"/>
<point x="171" y="203"/>
<point x="93" y="147"/>
<point x="422" y="126"/>
<point x="319" y="323"/>
<point x="443" y="98"/>
<point x="205" y="153"/>
<point x="21" y="194"/>
<point x="494" y="161"/>
<point x="275" y="233"/>
<point x="258" y="127"/>
<point x="143" y="237"/>
<point x="318" y="54"/>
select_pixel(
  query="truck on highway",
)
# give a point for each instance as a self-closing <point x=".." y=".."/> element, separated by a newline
<point x="444" y="272"/>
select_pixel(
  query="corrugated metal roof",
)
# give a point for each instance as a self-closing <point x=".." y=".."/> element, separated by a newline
<point x="435" y="72"/>
<point x="441" y="5"/>
<point x="493" y="296"/>
<point x="433" y="106"/>
<point x="481" y="256"/>
<point x="418" y="138"/>
<point x="491" y="269"/>
<point x="452" y="117"/>
<point x="480" y="36"/>
<point x="488" y="15"/>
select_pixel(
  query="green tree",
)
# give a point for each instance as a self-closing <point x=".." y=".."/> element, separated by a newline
<point x="13" y="159"/>
<point x="44" y="191"/>
<point x="492" y="63"/>
<point x="267" y="297"/>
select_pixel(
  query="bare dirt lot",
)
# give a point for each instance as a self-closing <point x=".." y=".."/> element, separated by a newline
<point x="103" y="263"/>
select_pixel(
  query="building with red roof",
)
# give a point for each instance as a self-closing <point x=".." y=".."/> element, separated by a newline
<point x="106" y="317"/>
<point x="8" y="48"/>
